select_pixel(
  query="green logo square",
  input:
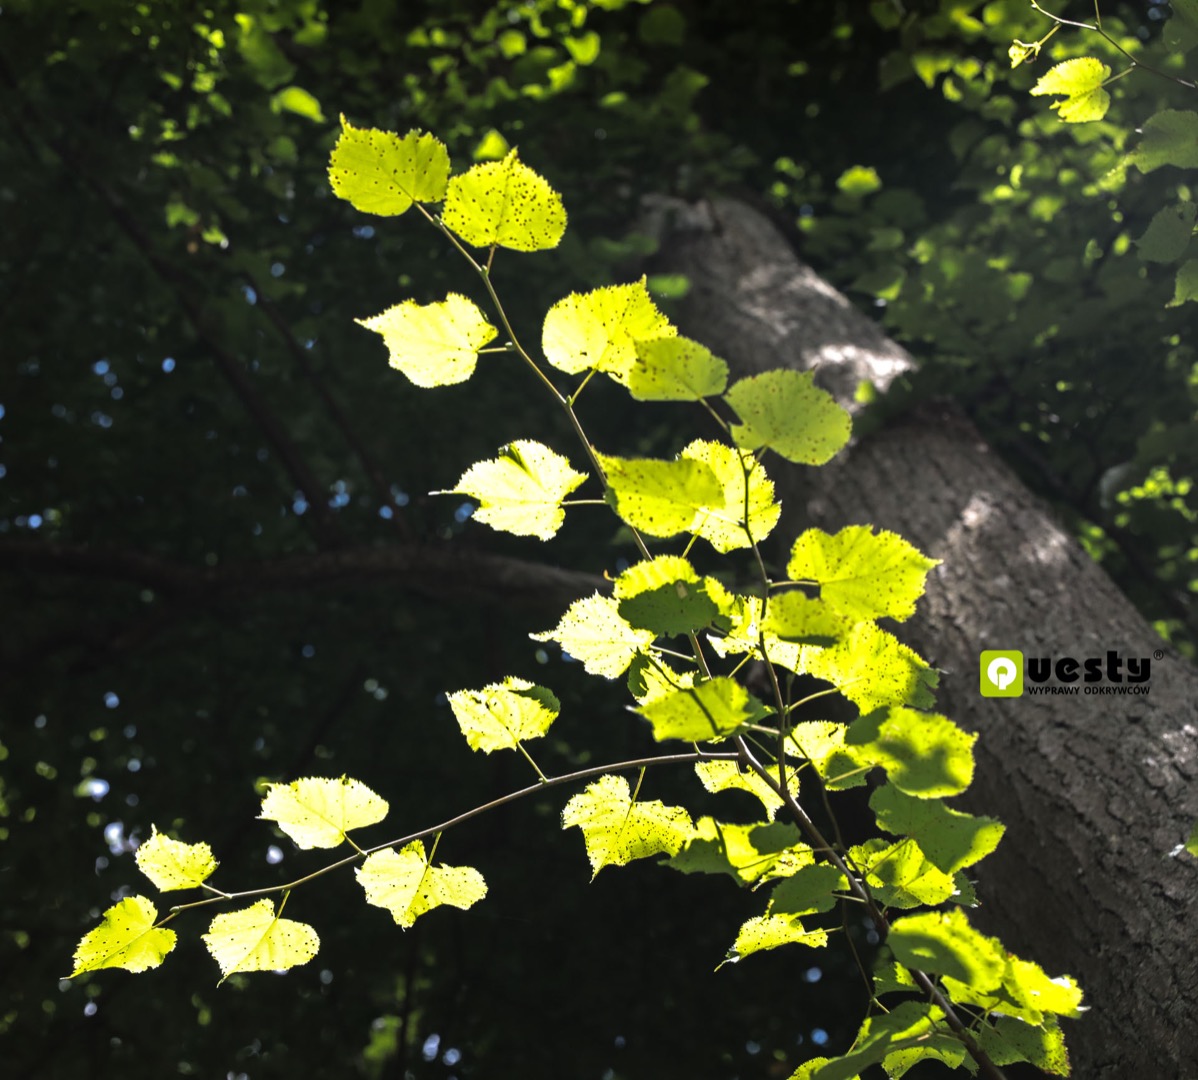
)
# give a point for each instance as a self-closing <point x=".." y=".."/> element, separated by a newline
<point x="1001" y="673"/>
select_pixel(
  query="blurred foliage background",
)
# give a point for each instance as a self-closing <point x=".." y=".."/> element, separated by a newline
<point x="189" y="418"/>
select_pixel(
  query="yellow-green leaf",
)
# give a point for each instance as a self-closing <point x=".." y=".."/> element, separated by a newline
<point x="503" y="715"/>
<point x="675" y="369"/>
<point x="860" y="573"/>
<point x="873" y="668"/>
<point x="171" y="864"/>
<point x="617" y="830"/>
<point x="506" y="204"/>
<point x="380" y="173"/>
<point x="664" y="595"/>
<point x="433" y="344"/>
<point x="723" y="523"/>
<point x="660" y="498"/>
<point x="600" y="329"/>
<point x="317" y="812"/>
<point x="1080" y="79"/>
<point x="747" y="853"/>
<point x="521" y="490"/>
<point x="126" y="938"/>
<point x="593" y="631"/>
<point x="770" y="931"/>
<point x="900" y="875"/>
<point x="925" y="754"/>
<point x="731" y="776"/>
<point x="950" y="839"/>
<point x="710" y="710"/>
<point x="943" y="943"/>
<point x="786" y="412"/>
<point x="256" y="939"/>
<point x="822" y="742"/>
<point x="407" y="885"/>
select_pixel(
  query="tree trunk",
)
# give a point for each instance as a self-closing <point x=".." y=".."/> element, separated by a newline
<point x="1097" y="792"/>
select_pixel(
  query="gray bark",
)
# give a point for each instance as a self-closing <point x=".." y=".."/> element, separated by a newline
<point x="1097" y="792"/>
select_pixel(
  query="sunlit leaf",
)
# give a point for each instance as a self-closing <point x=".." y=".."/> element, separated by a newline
<point x="943" y="943"/>
<point x="732" y="776"/>
<point x="317" y="812"/>
<point x="600" y="329"/>
<point x="256" y="939"/>
<point x="900" y="875"/>
<point x="951" y="840"/>
<point x="786" y="412"/>
<point x="407" y="885"/>
<point x="380" y="173"/>
<point x="503" y="715"/>
<point x="126" y="938"/>
<point x="808" y="890"/>
<point x="675" y="369"/>
<point x="433" y="344"/>
<point x="822" y="742"/>
<point x="617" y="830"/>
<point x="664" y="595"/>
<point x="660" y="498"/>
<point x="505" y="203"/>
<point x="771" y="931"/>
<point x="793" y="617"/>
<point x="871" y="668"/>
<point x="593" y="631"/>
<point x="521" y="490"/>
<point x="915" y="1026"/>
<point x="745" y="852"/>
<point x="924" y="754"/>
<point x="724" y="523"/>
<point x="712" y="709"/>
<point x="1010" y="1041"/>
<point x="1080" y="79"/>
<point x="863" y="574"/>
<point x="171" y="864"/>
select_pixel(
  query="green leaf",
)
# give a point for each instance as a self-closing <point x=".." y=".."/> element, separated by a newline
<point x="872" y="668"/>
<point x="910" y="1025"/>
<point x="617" y="830"/>
<point x="822" y="742"/>
<point x="317" y="812"/>
<point x="791" y="616"/>
<point x="295" y="99"/>
<point x="600" y="329"/>
<point x="377" y="172"/>
<point x="730" y="776"/>
<point x="951" y="840"/>
<point x="521" y="490"/>
<point x="650" y="678"/>
<point x="1169" y="138"/>
<point x="503" y="715"/>
<point x="126" y="938"/>
<point x="1192" y="840"/>
<point x="769" y="932"/>
<point x="506" y="204"/>
<point x="256" y="939"/>
<point x="924" y="754"/>
<point x="674" y="369"/>
<point x="943" y="943"/>
<point x="747" y="853"/>
<point x="664" y="595"/>
<point x="862" y="574"/>
<point x="407" y="885"/>
<point x="171" y="864"/>
<point x="900" y="875"/>
<point x="592" y="631"/>
<point x="1010" y="1041"/>
<point x="786" y="412"/>
<point x="1180" y="33"/>
<point x="723" y="523"/>
<point x="1080" y="79"/>
<point x="809" y="889"/>
<point x="710" y="710"/>
<point x="1186" y="286"/>
<point x="1168" y="233"/>
<point x="433" y="344"/>
<point x="660" y="498"/>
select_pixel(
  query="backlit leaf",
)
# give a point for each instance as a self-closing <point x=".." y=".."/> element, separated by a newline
<point x="503" y="715"/>
<point x="433" y="344"/>
<point x="256" y="939"/>
<point x="600" y="329"/>
<point x="126" y="938"/>
<point x="660" y="498"/>
<point x="674" y="369"/>
<point x="951" y="840"/>
<point x="822" y="742"/>
<point x="505" y="203"/>
<point x="710" y="710"/>
<point x="900" y="875"/>
<point x="786" y="412"/>
<point x="723" y="523"/>
<point x="380" y="173"/>
<point x="664" y="595"/>
<point x="592" y="631"/>
<point x="871" y="668"/>
<point x="863" y="574"/>
<point x="732" y="776"/>
<point x="1010" y="1041"/>
<point x="521" y="490"/>
<point x="943" y="943"/>
<point x="1169" y="138"/>
<point x="617" y="830"/>
<point x="317" y="812"/>
<point x="809" y="889"/>
<point x="915" y="1026"/>
<point x="407" y="885"/>
<point x="171" y="864"/>
<point x="791" y="616"/>
<point x="747" y="853"/>
<point x="924" y="754"/>
<point x="1080" y="79"/>
<point x="771" y="931"/>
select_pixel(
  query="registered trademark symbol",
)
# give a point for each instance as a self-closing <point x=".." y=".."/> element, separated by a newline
<point x="1159" y="654"/>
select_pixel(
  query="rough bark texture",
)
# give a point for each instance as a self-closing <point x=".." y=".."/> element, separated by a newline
<point x="1096" y="791"/>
